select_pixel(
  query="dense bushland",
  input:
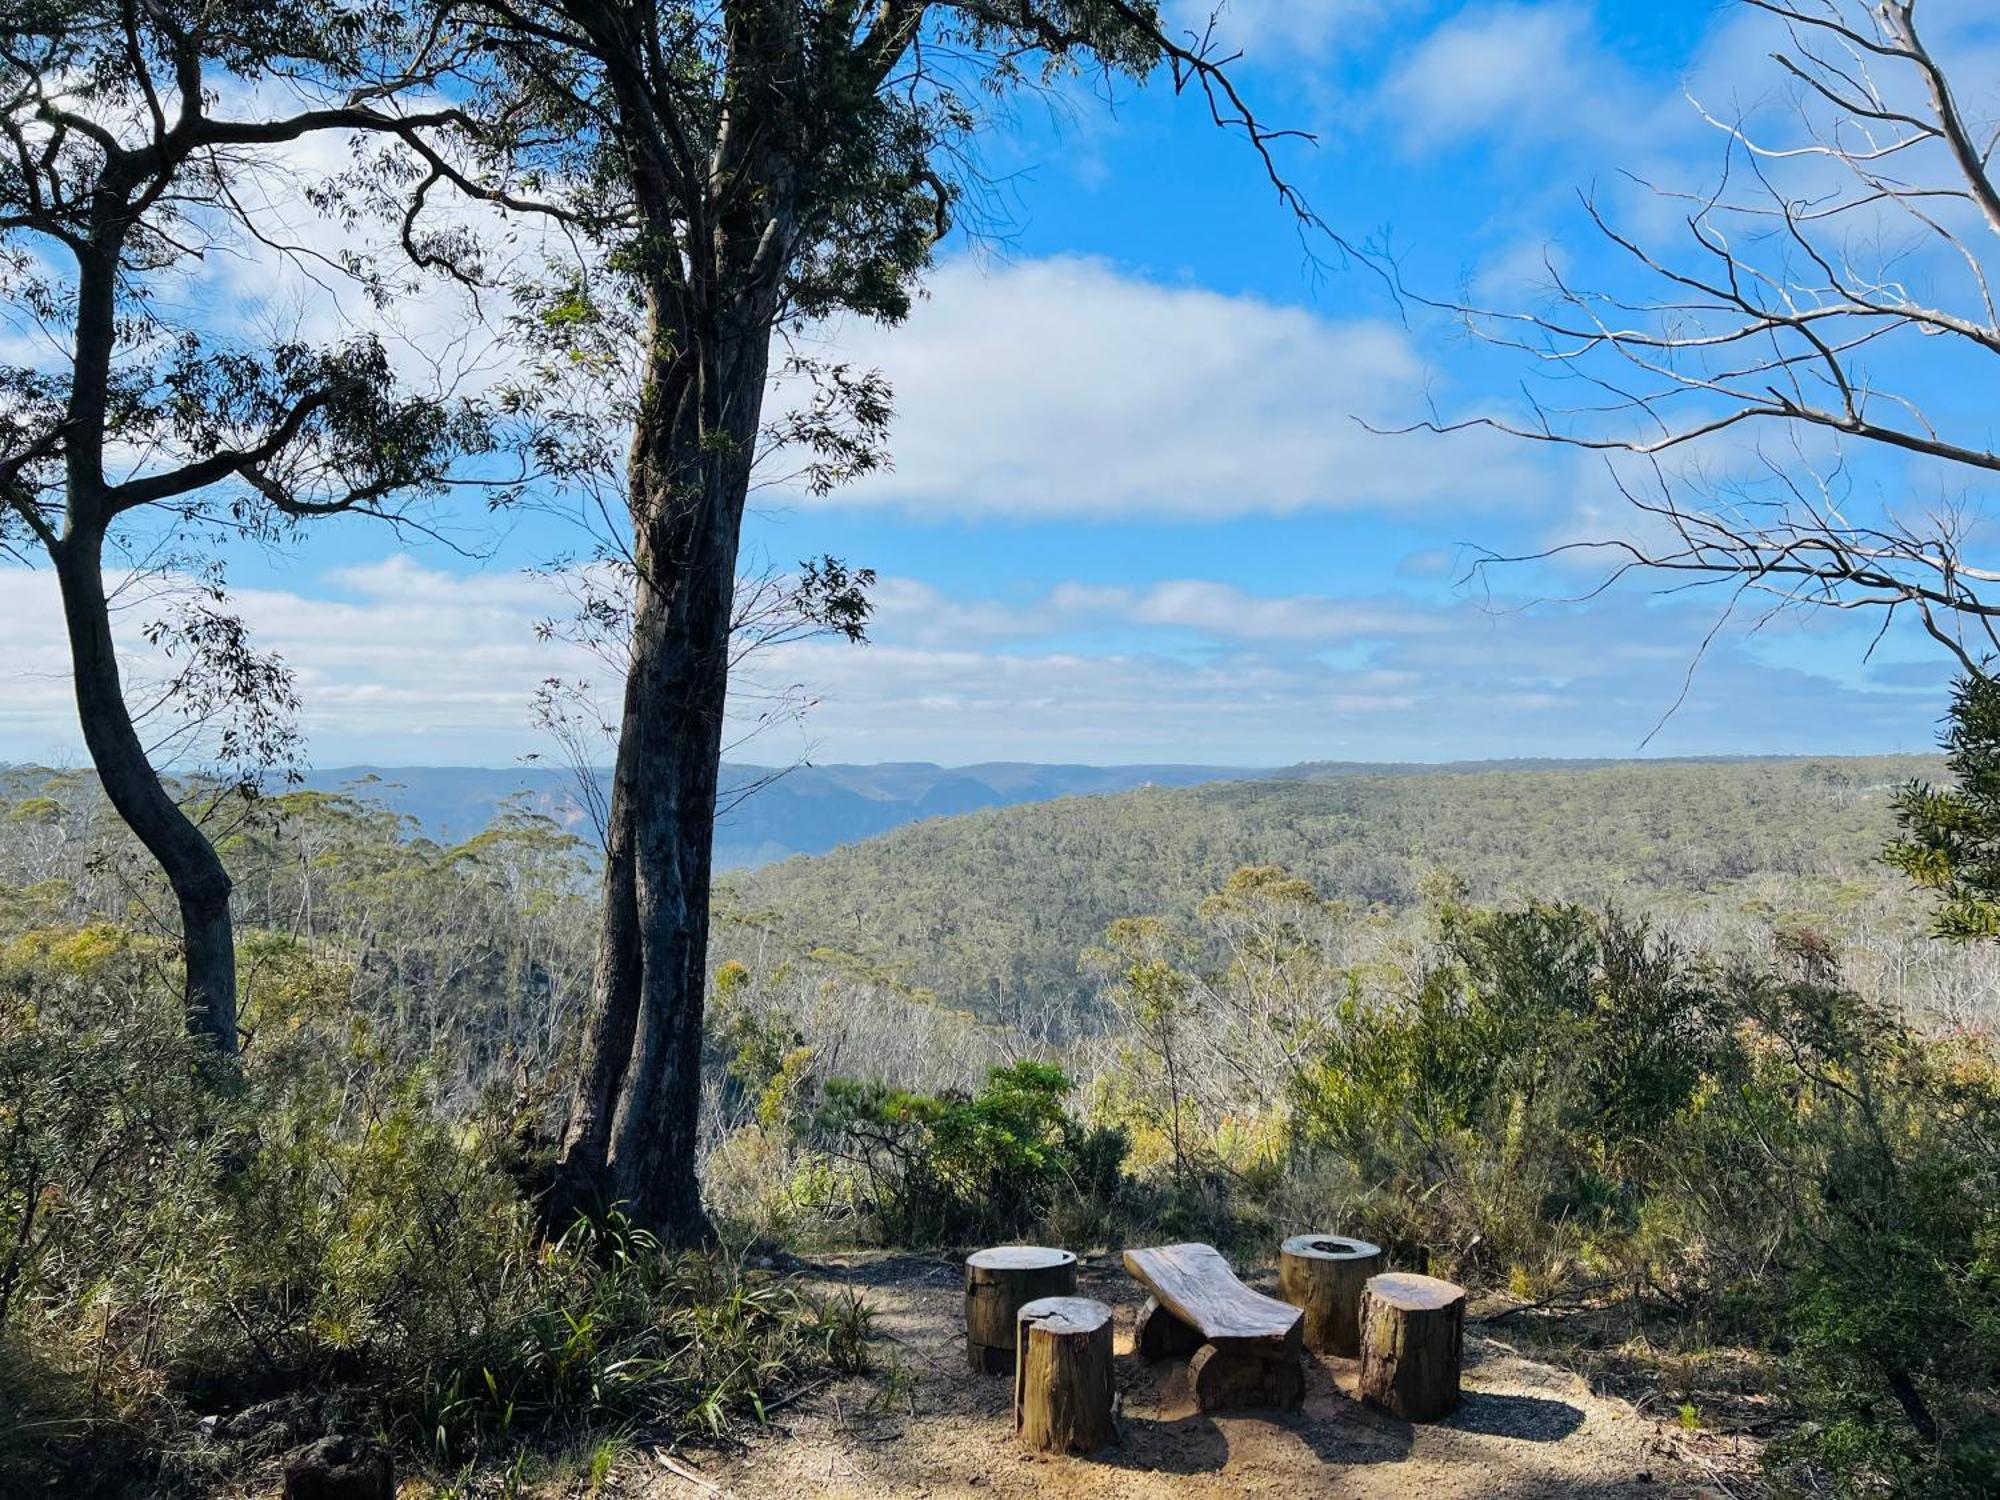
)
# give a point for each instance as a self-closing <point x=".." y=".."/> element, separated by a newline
<point x="1570" y="1110"/>
<point x="203" y="1263"/>
<point x="1705" y="1134"/>
<point x="993" y="911"/>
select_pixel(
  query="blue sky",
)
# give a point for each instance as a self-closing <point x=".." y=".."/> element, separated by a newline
<point x="1133" y="515"/>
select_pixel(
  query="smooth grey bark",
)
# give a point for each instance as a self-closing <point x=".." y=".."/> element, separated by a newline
<point x="712" y="307"/>
<point x="194" y="871"/>
<point x="631" y="1138"/>
<point x="781" y="134"/>
<point x="200" y="883"/>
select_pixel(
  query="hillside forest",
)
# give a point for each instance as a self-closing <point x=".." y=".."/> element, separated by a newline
<point x="1680" y="1124"/>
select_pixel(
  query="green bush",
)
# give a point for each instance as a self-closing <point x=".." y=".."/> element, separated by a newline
<point x="1875" y="1154"/>
<point x="1512" y="1104"/>
<point x="1575" y="1106"/>
<point x="950" y="1168"/>
<point x="178" y="1243"/>
<point x="608" y="1327"/>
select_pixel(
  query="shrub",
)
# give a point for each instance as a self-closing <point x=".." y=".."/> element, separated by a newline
<point x="1515" y="1099"/>
<point x="178" y="1243"/>
<point x="608" y="1327"/>
<point x="1873" y="1151"/>
<point x="947" y="1168"/>
<point x="1578" y="1106"/>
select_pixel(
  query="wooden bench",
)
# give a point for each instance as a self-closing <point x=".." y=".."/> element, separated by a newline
<point x="1246" y="1348"/>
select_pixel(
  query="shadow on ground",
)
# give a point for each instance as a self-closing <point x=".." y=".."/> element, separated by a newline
<point x="924" y="1425"/>
<point x="1534" y="1419"/>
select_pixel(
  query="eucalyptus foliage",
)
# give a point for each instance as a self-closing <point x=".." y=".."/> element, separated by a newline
<point x="1950" y="842"/>
<point x="140" y="145"/>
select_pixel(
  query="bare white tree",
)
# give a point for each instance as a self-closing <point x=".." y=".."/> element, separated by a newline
<point x="1835" y="291"/>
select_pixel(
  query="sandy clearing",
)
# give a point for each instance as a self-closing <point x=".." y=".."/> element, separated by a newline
<point x="925" y="1426"/>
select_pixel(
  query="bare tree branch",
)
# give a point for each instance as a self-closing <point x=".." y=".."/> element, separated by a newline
<point x="1793" y="306"/>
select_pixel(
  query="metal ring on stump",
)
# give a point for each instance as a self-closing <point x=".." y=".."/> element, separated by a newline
<point x="1062" y="1381"/>
<point x="998" y="1284"/>
<point x="1324" y="1275"/>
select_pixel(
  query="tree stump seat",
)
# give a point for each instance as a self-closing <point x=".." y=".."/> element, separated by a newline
<point x="1245" y="1348"/>
<point x="998" y="1284"/>
<point x="1412" y="1345"/>
<point x="1062" y="1377"/>
<point x="1322" y="1275"/>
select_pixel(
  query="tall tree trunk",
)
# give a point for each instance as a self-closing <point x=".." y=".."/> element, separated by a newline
<point x="712" y="308"/>
<point x="632" y="1131"/>
<point x="682" y="667"/>
<point x="200" y="882"/>
<point x="581" y="1179"/>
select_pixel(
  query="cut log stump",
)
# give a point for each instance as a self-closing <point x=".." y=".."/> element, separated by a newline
<point x="1062" y="1380"/>
<point x="998" y="1284"/>
<point x="1247" y="1377"/>
<point x="1323" y="1274"/>
<point x="1412" y="1342"/>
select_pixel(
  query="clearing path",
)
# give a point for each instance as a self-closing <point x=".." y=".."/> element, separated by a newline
<point x="923" y="1425"/>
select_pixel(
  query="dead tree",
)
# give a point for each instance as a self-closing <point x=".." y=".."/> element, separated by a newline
<point x="1832" y="289"/>
<point x="1842" y="267"/>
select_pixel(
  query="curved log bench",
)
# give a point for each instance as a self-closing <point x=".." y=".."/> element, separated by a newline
<point x="998" y="1283"/>
<point x="1322" y="1274"/>
<point x="1246" y="1347"/>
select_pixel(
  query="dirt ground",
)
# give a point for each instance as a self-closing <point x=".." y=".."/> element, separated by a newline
<point x="925" y="1426"/>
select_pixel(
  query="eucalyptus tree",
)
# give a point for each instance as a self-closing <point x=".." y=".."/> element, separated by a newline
<point x="772" y="608"/>
<point x="742" y="168"/>
<point x="139" y="145"/>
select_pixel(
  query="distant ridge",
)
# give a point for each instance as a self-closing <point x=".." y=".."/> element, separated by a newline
<point x="991" y="911"/>
<point x="1330" y="770"/>
<point x="814" y="809"/>
<point x="806" y="810"/>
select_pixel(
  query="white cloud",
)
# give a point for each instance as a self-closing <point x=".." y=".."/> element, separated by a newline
<point x="1466" y="684"/>
<point x="405" y="664"/>
<point x="1277" y="30"/>
<point x="1521" y="274"/>
<point x="1524" y="70"/>
<point x="1232" y="614"/>
<point x="1065" y="387"/>
<point x="401" y="662"/>
<point x="288" y="282"/>
<point x="910" y="611"/>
